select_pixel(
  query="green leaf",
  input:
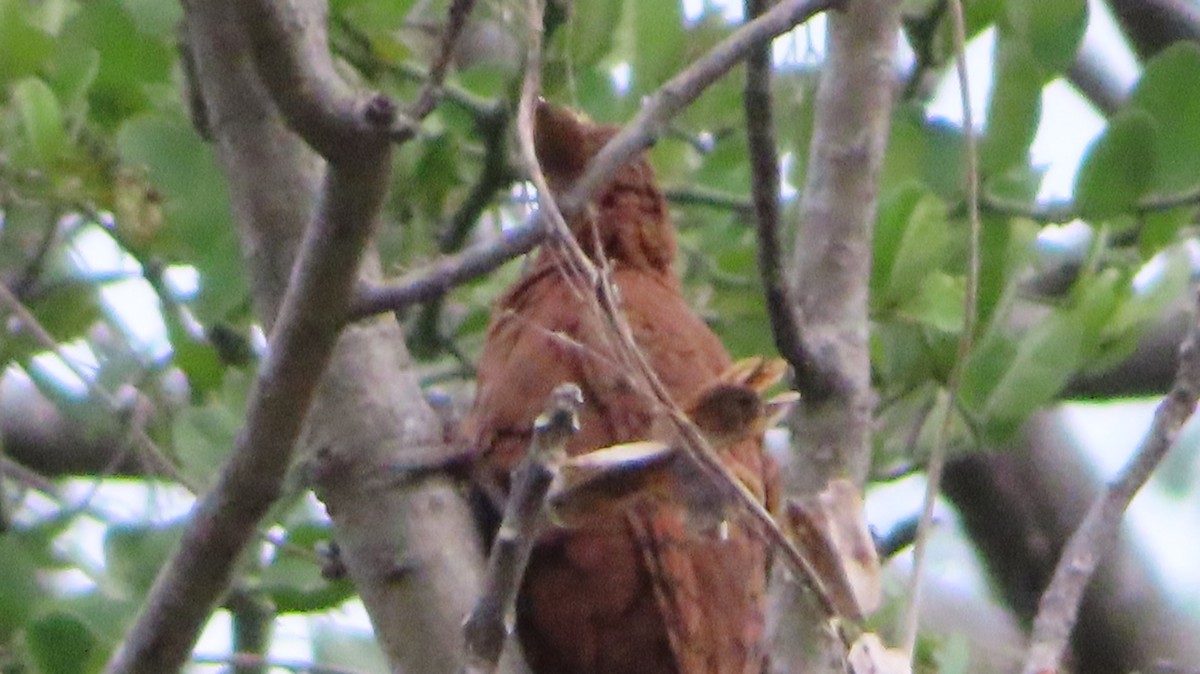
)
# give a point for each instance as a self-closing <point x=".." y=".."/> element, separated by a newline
<point x="1046" y="357"/>
<point x="1169" y="91"/>
<point x="195" y="203"/>
<point x="19" y="593"/>
<point x="1014" y="108"/>
<point x="23" y="46"/>
<point x="1118" y="168"/>
<point x="895" y="212"/>
<point x="437" y="172"/>
<point x="160" y="19"/>
<point x="1052" y="29"/>
<point x="71" y="74"/>
<point x="129" y="59"/>
<point x="67" y="309"/>
<point x="1160" y="229"/>
<point x="295" y="584"/>
<point x="591" y="31"/>
<point x="1097" y="298"/>
<point x="41" y="120"/>
<point x="938" y="304"/>
<point x="204" y="435"/>
<point x="133" y="553"/>
<point x="918" y="250"/>
<point x="1161" y="282"/>
<point x="900" y="354"/>
<point x="62" y="644"/>
<point x="660" y="43"/>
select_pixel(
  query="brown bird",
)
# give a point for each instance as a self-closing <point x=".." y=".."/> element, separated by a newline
<point x="637" y="591"/>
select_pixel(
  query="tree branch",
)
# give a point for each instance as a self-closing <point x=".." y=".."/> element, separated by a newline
<point x="490" y="622"/>
<point x="833" y="254"/>
<point x="1152" y="25"/>
<point x="1060" y="212"/>
<point x="1059" y="605"/>
<point x="351" y="131"/>
<point x="764" y="189"/>
<point x="431" y="283"/>
<point x="852" y="118"/>
<point x="639" y="133"/>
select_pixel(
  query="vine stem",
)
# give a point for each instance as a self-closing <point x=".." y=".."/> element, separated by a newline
<point x="937" y="456"/>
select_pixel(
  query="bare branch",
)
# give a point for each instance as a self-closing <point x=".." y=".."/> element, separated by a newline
<point x="833" y="250"/>
<point x="1152" y="25"/>
<point x="489" y="623"/>
<point x="352" y="132"/>
<point x="449" y="271"/>
<point x="290" y="47"/>
<point x="764" y="188"/>
<point x="702" y="196"/>
<point x="456" y="19"/>
<point x="852" y="118"/>
<point x="493" y="176"/>
<point x="1059" y="605"/>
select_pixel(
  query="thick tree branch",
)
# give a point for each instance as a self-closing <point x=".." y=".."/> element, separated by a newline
<point x="1091" y="75"/>
<point x="833" y="262"/>
<point x="1152" y="25"/>
<point x="490" y="622"/>
<point x="369" y="411"/>
<point x="833" y="251"/>
<point x="290" y="47"/>
<point x="352" y="132"/>
<point x="1059" y="605"/>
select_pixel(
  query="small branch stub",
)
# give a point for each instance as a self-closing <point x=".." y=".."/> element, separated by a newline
<point x="490" y="622"/>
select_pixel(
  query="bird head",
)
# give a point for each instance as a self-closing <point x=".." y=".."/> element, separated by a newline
<point x="627" y="216"/>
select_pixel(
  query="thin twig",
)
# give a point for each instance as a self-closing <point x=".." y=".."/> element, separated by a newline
<point x="937" y="454"/>
<point x="449" y="271"/>
<point x="157" y="460"/>
<point x="672" y="98"/>
<point x="1059" y="212"/>
<point x="456" y="20"/>
<point x="710" y="198"/>
<point x="764" y="187"/>
<point x="489" y="623"/>
<point x="493" y="177"/>
<point x="1059" y="605"/>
